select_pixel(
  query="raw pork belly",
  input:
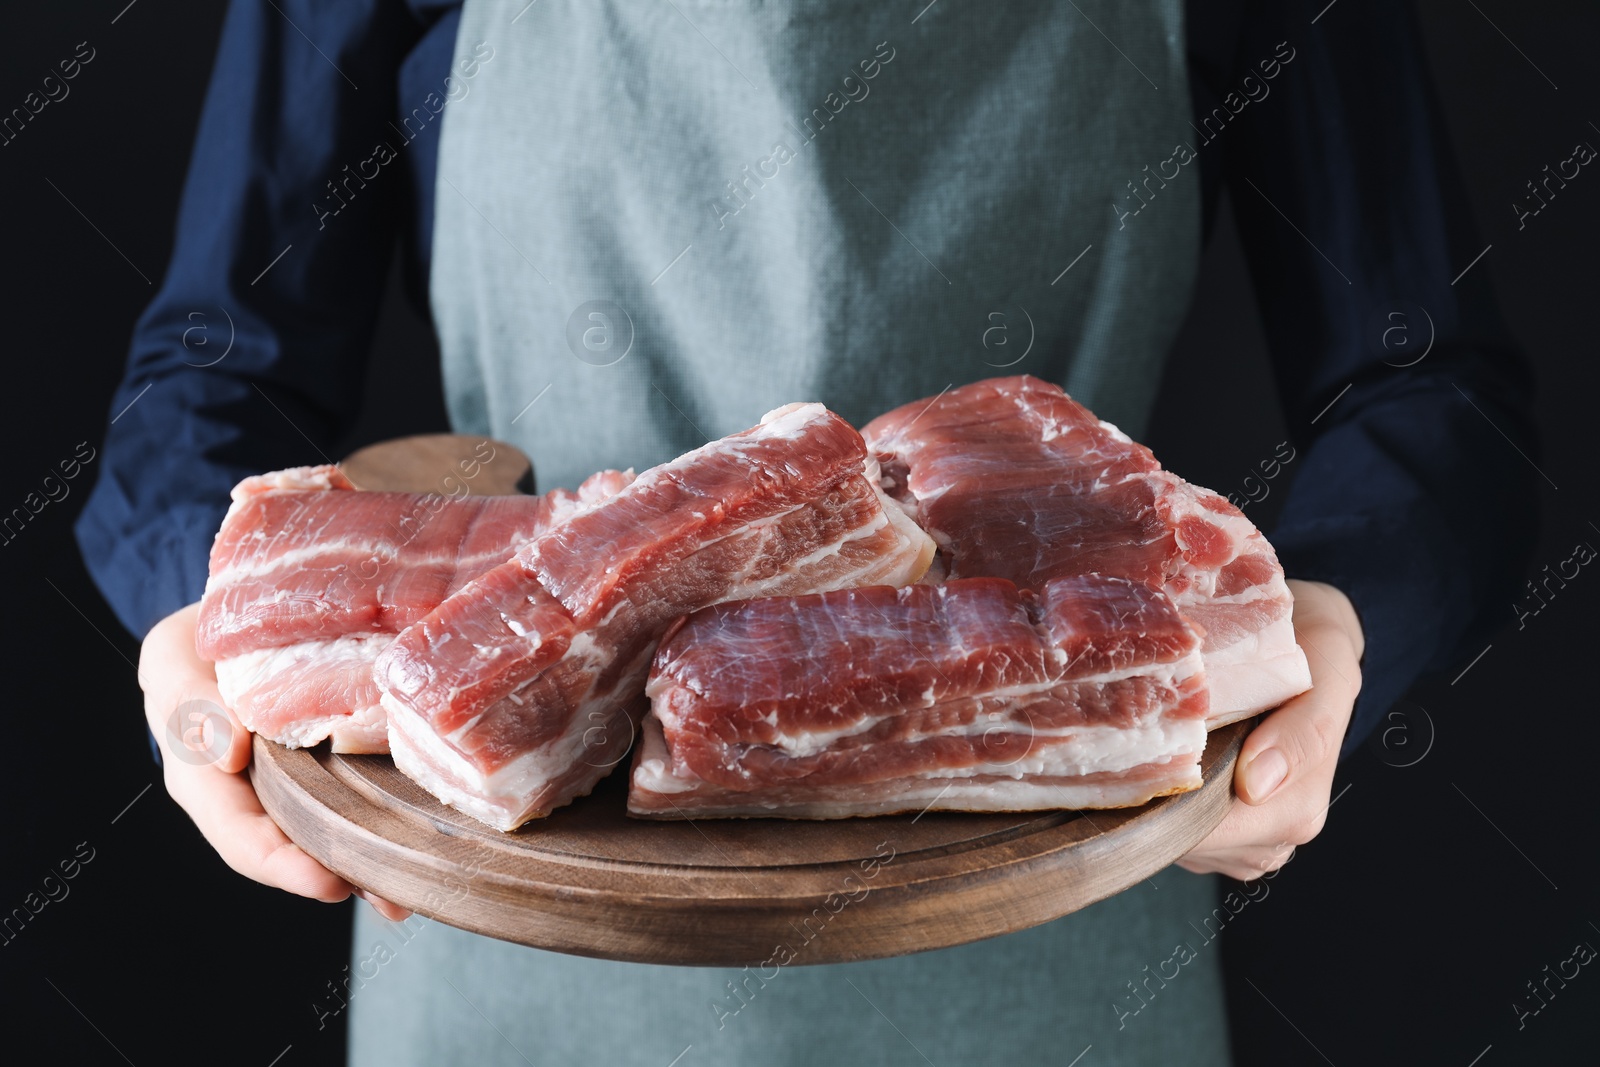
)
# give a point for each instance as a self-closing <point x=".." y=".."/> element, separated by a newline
<point x="968" y="695"/>
<point x="524" y="689"/>
<point x="1014" y="479"/>
<point x="310" y="581"/>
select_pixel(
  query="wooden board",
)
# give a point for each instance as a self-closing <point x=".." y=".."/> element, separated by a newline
<point x="445" y="463"/>
<point x="591" y="881"/>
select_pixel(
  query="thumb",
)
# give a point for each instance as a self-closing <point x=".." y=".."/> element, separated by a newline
<point x="1280" y="750"/>
<point x="183" y="706"/>
<point x="1302" y="738"/>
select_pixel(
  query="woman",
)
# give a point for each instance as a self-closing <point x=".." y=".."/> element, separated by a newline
<point x="641" y="225"/>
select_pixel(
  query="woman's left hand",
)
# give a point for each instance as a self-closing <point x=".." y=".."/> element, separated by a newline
<point x="1284" y="778"/>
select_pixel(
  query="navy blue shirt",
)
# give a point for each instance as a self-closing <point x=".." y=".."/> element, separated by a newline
<point x="1405" y="494"/>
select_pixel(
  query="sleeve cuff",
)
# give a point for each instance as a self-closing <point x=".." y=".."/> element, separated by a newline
<point x="1390" y="574"/>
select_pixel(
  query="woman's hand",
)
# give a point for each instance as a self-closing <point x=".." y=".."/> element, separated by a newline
<point x="1284" y="777"/>
<point x="205" y="779"/>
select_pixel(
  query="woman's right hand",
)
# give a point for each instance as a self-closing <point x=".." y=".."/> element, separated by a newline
<point x="206" y="778"/>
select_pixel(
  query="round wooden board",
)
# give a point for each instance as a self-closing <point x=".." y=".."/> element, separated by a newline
<point x="591" y="881"/>
<point x="448" y="464"/>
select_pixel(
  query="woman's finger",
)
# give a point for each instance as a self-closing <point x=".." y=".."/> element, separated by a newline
<point x="205" y="748"/>
<point x="1302" y="738"/>
<point x="229" y="815"/>
<point x="389" y="910"/>
<point x="183" y="707"/>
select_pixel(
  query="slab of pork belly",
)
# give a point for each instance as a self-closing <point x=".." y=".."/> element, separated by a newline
<point x="523" y="690"/>
<point x="1014" y="479"/>
<point x="970" y="695"/>
<point x="310" y="581"/>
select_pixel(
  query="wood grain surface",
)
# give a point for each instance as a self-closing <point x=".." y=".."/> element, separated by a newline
<point x="591" y="881"/>
<point x="445" y="463"/>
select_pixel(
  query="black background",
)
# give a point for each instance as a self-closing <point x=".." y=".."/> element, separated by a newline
<point x="1459" y="862"/>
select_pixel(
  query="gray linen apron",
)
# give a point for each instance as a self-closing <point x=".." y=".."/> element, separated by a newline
<point x="656" y="221"/>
